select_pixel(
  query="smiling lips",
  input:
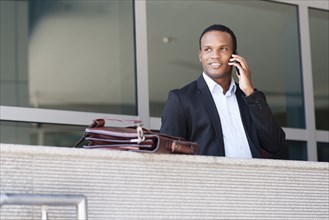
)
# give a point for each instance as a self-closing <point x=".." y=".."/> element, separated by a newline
<point x="215" y="64"/>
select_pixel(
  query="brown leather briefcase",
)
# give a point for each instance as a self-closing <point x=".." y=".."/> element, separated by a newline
<point x="135" y="138"/>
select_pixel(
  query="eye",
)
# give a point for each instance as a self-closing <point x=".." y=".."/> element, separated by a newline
<point x="224" y="49"/>
<point x="207" y="49"/>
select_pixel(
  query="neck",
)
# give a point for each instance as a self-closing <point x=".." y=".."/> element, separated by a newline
<point x="224" y="83"/>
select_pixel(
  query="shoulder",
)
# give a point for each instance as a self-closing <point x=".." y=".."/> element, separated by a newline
<point x="189" y="89"/>
<point x="192" y="86"/>
<point x="184" y="94"/>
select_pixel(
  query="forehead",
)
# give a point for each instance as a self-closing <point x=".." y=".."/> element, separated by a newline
<point x="212" y="38"/>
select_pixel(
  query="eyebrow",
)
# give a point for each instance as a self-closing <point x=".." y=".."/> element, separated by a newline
<point x="224" y="45"/>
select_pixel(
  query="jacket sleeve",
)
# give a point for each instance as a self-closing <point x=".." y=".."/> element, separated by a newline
<point x="173" y="117"/>
<point x="270" y="133"/>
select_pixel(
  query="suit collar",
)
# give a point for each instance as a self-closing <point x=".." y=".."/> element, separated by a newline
<point x="212" y="85"/>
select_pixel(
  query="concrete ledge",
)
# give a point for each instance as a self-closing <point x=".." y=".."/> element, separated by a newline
<point x="127" y="185"/>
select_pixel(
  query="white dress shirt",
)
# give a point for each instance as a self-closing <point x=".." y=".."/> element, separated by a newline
<point x="235" y="140"/>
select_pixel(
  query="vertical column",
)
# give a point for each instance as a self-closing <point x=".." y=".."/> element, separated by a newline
<point x="142" y="62"/>
<point x="307" y="81"/>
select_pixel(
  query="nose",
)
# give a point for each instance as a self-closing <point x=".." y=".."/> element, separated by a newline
<point x="215" y="54"/>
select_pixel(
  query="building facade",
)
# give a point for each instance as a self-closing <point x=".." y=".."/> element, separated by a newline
<point x="65" y="63"/>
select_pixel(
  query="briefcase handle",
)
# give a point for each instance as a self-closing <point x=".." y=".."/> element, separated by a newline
<point x="100" y="122"/>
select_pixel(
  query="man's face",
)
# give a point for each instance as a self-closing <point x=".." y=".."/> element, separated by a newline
<point x="216" y="51"/>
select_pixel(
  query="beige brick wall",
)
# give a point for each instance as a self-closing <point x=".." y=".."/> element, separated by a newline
<point x="127" y="185"/>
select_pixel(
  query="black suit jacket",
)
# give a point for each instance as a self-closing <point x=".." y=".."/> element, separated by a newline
<point x="191" y="113"/>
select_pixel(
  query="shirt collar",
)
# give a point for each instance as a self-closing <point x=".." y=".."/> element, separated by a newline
<point x="212" y="85"/>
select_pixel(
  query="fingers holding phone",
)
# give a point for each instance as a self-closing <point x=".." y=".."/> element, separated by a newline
<point x="243" y="73"/>
<point x="240" y="64"/>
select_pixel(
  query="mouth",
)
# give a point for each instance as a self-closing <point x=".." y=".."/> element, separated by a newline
<point x="215" y="64"/>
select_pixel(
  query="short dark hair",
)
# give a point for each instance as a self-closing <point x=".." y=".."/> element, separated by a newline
<point x="222" y="28"/>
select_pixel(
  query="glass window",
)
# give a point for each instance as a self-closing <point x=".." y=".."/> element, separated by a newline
<point x="267" y="34"/>
<point x="323" y="152"/>
<point x="319" y="33"/>
<point x="68" y="55"/>
<point x="40" y="134"/>
<point x="296" y="150"/>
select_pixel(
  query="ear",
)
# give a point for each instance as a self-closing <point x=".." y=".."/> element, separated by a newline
<point x="200" y="56"/>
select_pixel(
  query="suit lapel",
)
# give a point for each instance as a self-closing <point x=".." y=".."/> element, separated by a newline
<point x="209" y="104"/>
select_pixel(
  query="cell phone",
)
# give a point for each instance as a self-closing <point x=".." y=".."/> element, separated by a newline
<point x="237" y="70"/>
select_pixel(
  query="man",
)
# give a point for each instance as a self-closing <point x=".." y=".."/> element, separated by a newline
<point x="225" y="118"/>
